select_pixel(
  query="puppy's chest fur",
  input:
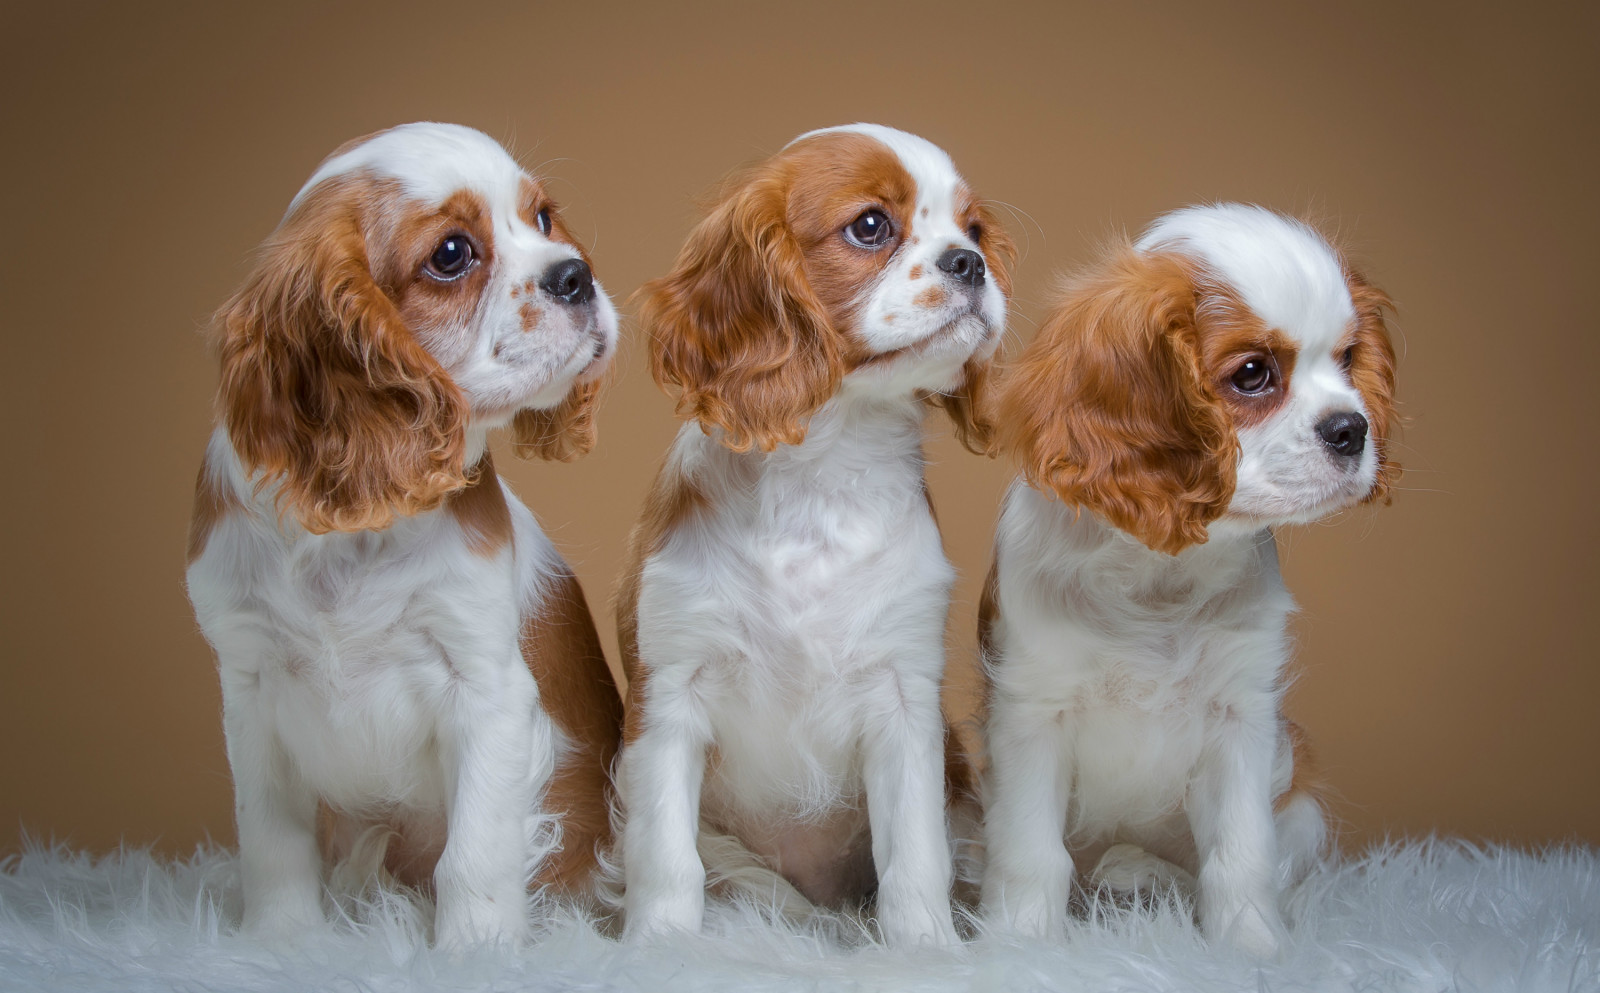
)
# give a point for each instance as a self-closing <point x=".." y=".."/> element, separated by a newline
<point x="1141" y="658"/>
<point x="797" y="591"/>
<point x="356" y="646"/>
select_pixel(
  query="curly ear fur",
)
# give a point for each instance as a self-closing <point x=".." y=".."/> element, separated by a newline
<point x="736" y="326"/>
<point x="323" y="388"/>
<point x="562" y="433"/>
<point x="1108" y="407"/>
<point x="1372" y="373"/>
<point x="968" y="403"/>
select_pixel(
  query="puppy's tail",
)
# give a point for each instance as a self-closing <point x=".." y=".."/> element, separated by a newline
<point x="1129" y="869"/>
<point x="358" y="857"/>
<point x="733" y="873"/>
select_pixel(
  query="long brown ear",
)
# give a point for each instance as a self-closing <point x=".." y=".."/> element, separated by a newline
<point x="968" y="403"/>
<point x="736" y="326"/>
<point x="1372" y="373"/>
<point x="1108" y="407"/>
<point x="324" y="389"/>
<point x="562" y="433"/>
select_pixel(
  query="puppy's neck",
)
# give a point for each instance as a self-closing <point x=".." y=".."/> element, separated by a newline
<point x="1232" y="555"/>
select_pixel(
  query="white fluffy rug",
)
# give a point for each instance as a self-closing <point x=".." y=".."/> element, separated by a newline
<point x="1426" y="916"/>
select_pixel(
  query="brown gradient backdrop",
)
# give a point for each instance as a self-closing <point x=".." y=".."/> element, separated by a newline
<point x="1447" y="657"/>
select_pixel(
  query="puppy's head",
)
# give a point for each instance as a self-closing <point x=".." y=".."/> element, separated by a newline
<point x="420" y="285"/>
<point x="1229" y="366"/>
<point x="857" y="257"/>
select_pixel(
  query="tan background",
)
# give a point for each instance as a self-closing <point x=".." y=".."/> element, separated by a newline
<point x="1447" y="651"/>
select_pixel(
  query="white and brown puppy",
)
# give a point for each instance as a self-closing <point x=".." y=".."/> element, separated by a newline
<point x="783" y="616"/>
<point x="398" y="641"/>
<point x="1227" y="373"/>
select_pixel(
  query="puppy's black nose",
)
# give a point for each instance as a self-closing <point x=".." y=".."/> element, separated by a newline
<point x="570" y="281"/>
<point x="1344" y="432"/>
<point x="964" y="264"/>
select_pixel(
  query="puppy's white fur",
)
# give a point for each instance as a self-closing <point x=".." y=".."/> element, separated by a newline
<point x="790" y="625"/>
<point x="1135" y="714"/>
<point x="379" y="671"/>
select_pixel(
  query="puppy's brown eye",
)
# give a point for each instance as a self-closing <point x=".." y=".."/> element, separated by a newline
<point x="1347" y="357"/>
<point x="452" y="258"/>
<point x="543" y="220"/>
<point x="1254" y="377"/>
<point x="871" y="230"/>
<point x="976" y="234"/>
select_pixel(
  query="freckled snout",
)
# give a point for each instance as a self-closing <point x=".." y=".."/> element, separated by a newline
<point x="963" y="265"/>
<point x="1345" y="433"/>
<point x="570" y="282"/>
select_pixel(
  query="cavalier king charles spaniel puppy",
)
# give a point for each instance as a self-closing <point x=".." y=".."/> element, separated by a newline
<point x="782" y="617"/>
<point x="404" y="655"/>
<point x="1228" y="373"/>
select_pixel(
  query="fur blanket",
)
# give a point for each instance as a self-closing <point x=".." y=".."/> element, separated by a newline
<point x="1432" y="915"/>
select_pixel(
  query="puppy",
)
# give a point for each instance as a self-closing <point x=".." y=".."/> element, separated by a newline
<point x="1228" y="373"/>
<point x="782" y="618"/>
<point x="397" y="639"/>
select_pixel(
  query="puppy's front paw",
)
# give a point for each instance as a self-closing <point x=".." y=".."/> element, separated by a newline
<point x="910" y="922"/>
<point x="283" y="910"/>
<point x="664" y="912"/>
<point x="1252" y="926"/>
<point x="464" y="922"/>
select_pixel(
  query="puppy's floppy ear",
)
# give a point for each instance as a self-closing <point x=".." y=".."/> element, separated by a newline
<point x="1108" y="406"/>
<point x="968" y="403"/>
<point x="736" y="326"/>
<point x="1372" y="373"/>
<point x="324" y="389"/>
<point x="562" y="433"/>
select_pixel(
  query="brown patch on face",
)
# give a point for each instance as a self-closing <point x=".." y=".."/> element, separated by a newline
<point x="211" y="504"/>
<point x="324" y="386"/>
<point x="933" y="296"/>
<point x="1230" y="335"/>
<point x="916" y="271"/>
<point x="531" y="316"/>
<point x="837" y="178"/>
<point x="563" y="651"/>
<point x="438" y="310"/>
<point x="672" y="500"/>
<point x="481" y="512"/>
<point x="1372" y="373"/>
<point x="1112" y="408"/>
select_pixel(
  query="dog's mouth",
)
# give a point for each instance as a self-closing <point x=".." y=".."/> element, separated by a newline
<point x="949" y="332"/>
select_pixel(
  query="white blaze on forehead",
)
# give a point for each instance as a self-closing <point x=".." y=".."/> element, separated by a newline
<point x="1281" y="269"/>
<point x="431" y="161"/>
<point x="928" y="165"/>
